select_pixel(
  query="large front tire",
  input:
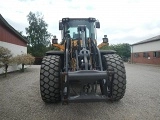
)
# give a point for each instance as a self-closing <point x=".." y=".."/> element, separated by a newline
<point x="117" y="87"/>
<point x="50" y="79"/>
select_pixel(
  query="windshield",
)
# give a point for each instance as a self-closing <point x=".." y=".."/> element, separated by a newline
<point x="72" y="26"/>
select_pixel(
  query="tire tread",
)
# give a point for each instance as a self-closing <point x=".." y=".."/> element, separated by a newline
<point x="50" y="79"/>
<point x="118" y="86"/>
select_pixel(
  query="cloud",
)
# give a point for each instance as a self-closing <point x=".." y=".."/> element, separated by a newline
<point x="90" y="7"/>
<point x="121" y="20"/>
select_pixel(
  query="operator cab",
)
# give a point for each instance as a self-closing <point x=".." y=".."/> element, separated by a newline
<point x="69" y="27"/>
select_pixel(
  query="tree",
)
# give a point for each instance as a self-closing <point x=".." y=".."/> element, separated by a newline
<point x="5" y="58"/>
<point x="37" y="34"/>
<point x="122" y="50"/>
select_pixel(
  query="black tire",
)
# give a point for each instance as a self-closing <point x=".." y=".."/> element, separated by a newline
<point x="118" y="85"/>
<point x="50" y="79"/>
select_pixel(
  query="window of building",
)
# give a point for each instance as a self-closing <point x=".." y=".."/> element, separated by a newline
<point x="156" y="54"/>
<point x="145" y="54"/>
<point x="136" y="55"/>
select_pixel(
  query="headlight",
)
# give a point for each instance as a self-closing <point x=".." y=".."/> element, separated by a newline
<point x="63" y="19"/>
<point x="92" y="19"/>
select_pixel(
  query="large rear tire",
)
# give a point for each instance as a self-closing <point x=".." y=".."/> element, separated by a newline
<point x="117" y="87"/>
<point x="50" y="79"/>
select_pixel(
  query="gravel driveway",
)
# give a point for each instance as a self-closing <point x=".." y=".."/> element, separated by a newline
<point x="20" y="99"/>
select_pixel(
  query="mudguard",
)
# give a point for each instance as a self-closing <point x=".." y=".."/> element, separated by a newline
<point x="104" y="52"/>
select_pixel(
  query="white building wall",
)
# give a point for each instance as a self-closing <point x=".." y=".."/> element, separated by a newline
<point x="15" y="50"/>
<point x="151" y="46"/>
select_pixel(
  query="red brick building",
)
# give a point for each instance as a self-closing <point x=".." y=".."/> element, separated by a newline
<point x="11" y="39"/>
<point x="147" y="51"/>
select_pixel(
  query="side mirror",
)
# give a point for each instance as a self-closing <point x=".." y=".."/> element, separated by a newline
<point x="97" y="24"/>
<point x="60" y="26"/>
<point x="54" y="40"/>
<point x="105" y="39"/>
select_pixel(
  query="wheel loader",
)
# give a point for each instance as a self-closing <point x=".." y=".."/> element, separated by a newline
<point x="80" y="71"/>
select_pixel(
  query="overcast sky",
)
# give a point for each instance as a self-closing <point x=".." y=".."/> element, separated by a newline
<point x="124" y="21"/>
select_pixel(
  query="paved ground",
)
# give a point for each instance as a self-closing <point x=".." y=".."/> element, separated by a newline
<point x="20" y="99"/>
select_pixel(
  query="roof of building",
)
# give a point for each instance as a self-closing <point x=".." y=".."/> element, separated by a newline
<point x="156" y="38"/>
<point x="4" y="22"/>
